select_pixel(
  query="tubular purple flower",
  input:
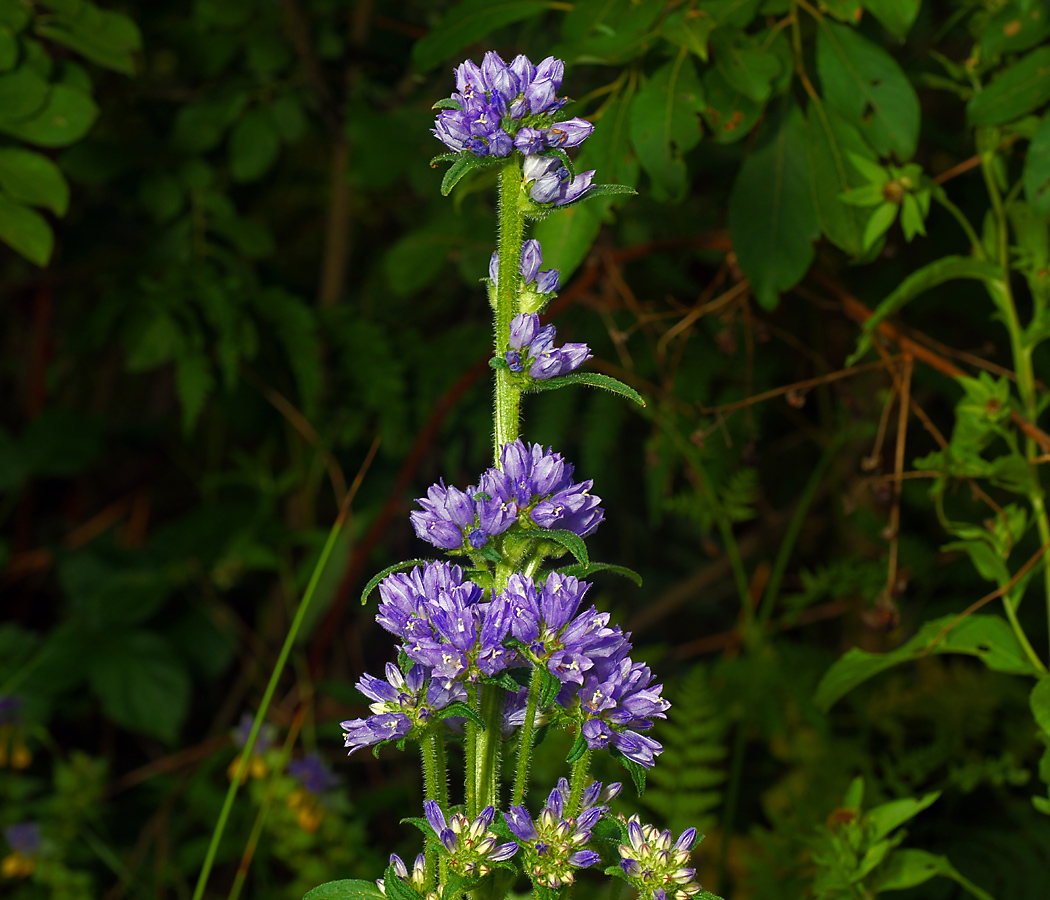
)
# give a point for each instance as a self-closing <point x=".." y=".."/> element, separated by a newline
<point x="550" y="69"/>
<point x="547" y="281"/>
<point x="313" y="774"/>
<point x="654" y="865"/>
<point x="469" y="846"/>
<point x="360" y="733"/>
<point x="523" y="330"/>
<point x="494" y="267"/>
<point x="531" y="260"/>
<point x="570" y="133"/>
<point x="470" y="83"/>
<point x="532" y="140"/>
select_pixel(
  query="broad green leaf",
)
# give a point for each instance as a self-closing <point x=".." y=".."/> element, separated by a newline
<point x="689" y="28"/>
<point x="64" y="119"/>
<point x="729" y="114"/>
<point x="200" y="126"/>
<point x="665" y="125"/>
<point x="1037" y="169"/>
<point x="395" y="888"/>
<point x="864" y="83"/>
<point x="468" y="22"/>
<point x="417" y="259"/>
<point x="1023" y="87"/>
<point x="22" y="93"/>
<point x="162" y="195"/>
<point x="459" y="708"/>
<point x="584" y="571"/>
<point x="142" y="685"/>
<point x="288" y="117"/>
<point x="885" y="818"/>
<point x="592" y="379"/>
<point x="193" y="383"/>
<point x="34" y="179"/>
<point x="929" y="276"/>
<point x="396" y="567"/>
<point x="579" y="747"/>
<point x="908" y="868"/>
<point x="567" y="236"/>
<point x="103" y="597"/>
<point x="107" y="38"/>
<point x="830" y="140"/>
<point x="730" y="12"/>
<point x="1014" y="29"/>
<point x="896" y="15"/>
<point x="14" y="14"/>
<point x="636" y="770"/>
<point x="348" y="889"/>
<point x="606" y="31"/>
<point x="59" y="442"/>
<point x="25" y="231"/>
<point x="8" y="48"/>
<point x="550" y="685"/>
<point x="745" y="65"/>
<point x="254" y="145"/>
<point x="772" y="219"/>
<point x="1040" y="703"/>
<point x="987" y="637"/>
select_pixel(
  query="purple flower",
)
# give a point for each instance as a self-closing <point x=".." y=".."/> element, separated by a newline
<point x="547" y="282"/>
<point x="549" y="181"/>
<point x="403" y="703"/>
<point x="543" y="621"/>
<point x="459" y="520"/>
<point x="312" y="773"/>
<point x="534" y="346"/>
<point x="531" y="259"/>
<point x="470" y="846"/>
<point x="655" y="863"/>
<point x="523" y="330"/>
<point x="570" y="133"/>
<point x="24" y="838"/>
<point x="532" y="140"/>
<point x="617" y="699"/>
<point x="417" y="878"/>
<point x="553" y="846"/>
<point x="9" y="709"/>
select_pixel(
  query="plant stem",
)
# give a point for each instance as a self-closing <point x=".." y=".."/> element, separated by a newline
<point x="528" y="731"/>
<point x="578" y="781"/>
<point x="511" y="233"/>
<point x="470" y="757"/>
<point x="435" y="781"/>
<point x="264" y="705"/>
<point x="487" y="752"/>
<point x="941" y="197"/>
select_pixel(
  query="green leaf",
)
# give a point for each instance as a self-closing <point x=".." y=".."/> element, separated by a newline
<point x="102" y="597"/>
<point x="568" y="539"/>
<point x="107" y="38"/>
<point x="1013" y="29"/>
<point x="348" y="889"/>
<point x="396" y="567"/>
<point x="593" y="379"/>
<point x="583" y="571"/>
<point x="636" y="770"/>
<point x="1023" y="87"/>
<point x="690" y="28"/>
<point x="467" y="162"/>
<point x="985" y="636"/>
<point x="8" y="48"/>
<point x="142" y="685"/>
<point x="607" y="31"/>
<point x="772" y="219"/>
<point x="468" y="22"/>
<point x="745" y="65"/>
<point x="864" y="83"/>
<point x="885" y="818"/>
<point x="288" y="117"/>
<point x="25" y="231"/>
<point x="22" y="93"/>
<point x="567" y="236"/>
<point x="193" y="383"/>
<point x="596" y="192"/>
<point x="550" y="686"/>
<point x="34" y="179"/>
<point x="254" y="145"/>
<point x="665" y="125"/>
<point x="730" y="12"/>
<point x="882" y="218"/>
<point x="58" y="443"/>
<point x="1040" y="703"/>
<point x="578" y="748"/>
<point x="64" y="119"/>
<point x="457" y="886"/>
<point x="200" y="126"/>
<point x="447" y="103"/>
<point x="908" y="868"/>
<point x="1037" y="169"/>
<point x="896" y="15"/>
<point x="396" y="889"/>
<point x="498" y="362"/>
<point x="14" y="14"/>
<point x="832" y="142"/>
<point x="929" y="276"/>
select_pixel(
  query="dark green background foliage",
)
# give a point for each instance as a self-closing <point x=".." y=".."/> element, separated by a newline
<point x="229" y="275"/>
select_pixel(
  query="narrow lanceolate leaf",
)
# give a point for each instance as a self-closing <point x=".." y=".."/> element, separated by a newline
<point x="583" y="571"/>
<point x="599" y="190"/>
<point x="446" y="103"/>
<point x="772" y="219"/>
<point x="864" y="83"/>
<point x="550" y="685"/>
<point x="397" y="567"/>
<point x="927" y="277"/>
<point x="578" y="749"/>
<point x="465" y="162"/>
<point x="594" y="379"/>
<point x="568" y="539"/>
<point x="1023" y="87"/>
<point x="1037" y="169"/>
<point x="459" y="708"/>
<point x="637" y="770"/>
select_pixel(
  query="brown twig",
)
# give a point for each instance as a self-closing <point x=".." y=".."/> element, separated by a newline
<point x="898" y="471"/>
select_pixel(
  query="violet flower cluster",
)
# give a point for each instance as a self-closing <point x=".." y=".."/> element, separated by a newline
<point x="533" y="488"/>
<point x="498" y="109"/>
<point x="533" y="353"/>
<point x="536" y="287"/>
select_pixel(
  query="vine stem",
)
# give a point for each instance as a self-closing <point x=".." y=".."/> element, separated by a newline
<point x="528" y="731"/>
<point x="275" y="676"/>
<point x="511" y="234"/>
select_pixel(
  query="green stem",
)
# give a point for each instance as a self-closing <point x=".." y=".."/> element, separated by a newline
<point x="528" y="731"/>
<point x="489" y="741"/>
<point x="941" y="197"/>
<point x="511" y="233"/>
<point x="470" y="757"/>
<point x="260" y="715"/>
<point x="578" y="781"/>
<point x="769" y="598"/>
<point x="435" y="781"/>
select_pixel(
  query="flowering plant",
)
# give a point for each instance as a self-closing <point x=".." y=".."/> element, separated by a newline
<point x="491" y="646"/>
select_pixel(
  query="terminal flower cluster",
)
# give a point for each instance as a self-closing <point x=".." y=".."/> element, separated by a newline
<point x="471" y="847"/>
<point x="415" y="879"/>
<point x="533" y="488"/>
<point x="655" y="863"/>
<point x="499" y="108"/>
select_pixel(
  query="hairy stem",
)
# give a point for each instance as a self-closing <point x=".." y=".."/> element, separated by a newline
<point x="487" y="748"/>
<point x="528" y="731"/>
<point x="435" y="781"/>
<point x="470" y="757"/>
<point x="511" y="233"/>
<point x="577" y="782"/>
